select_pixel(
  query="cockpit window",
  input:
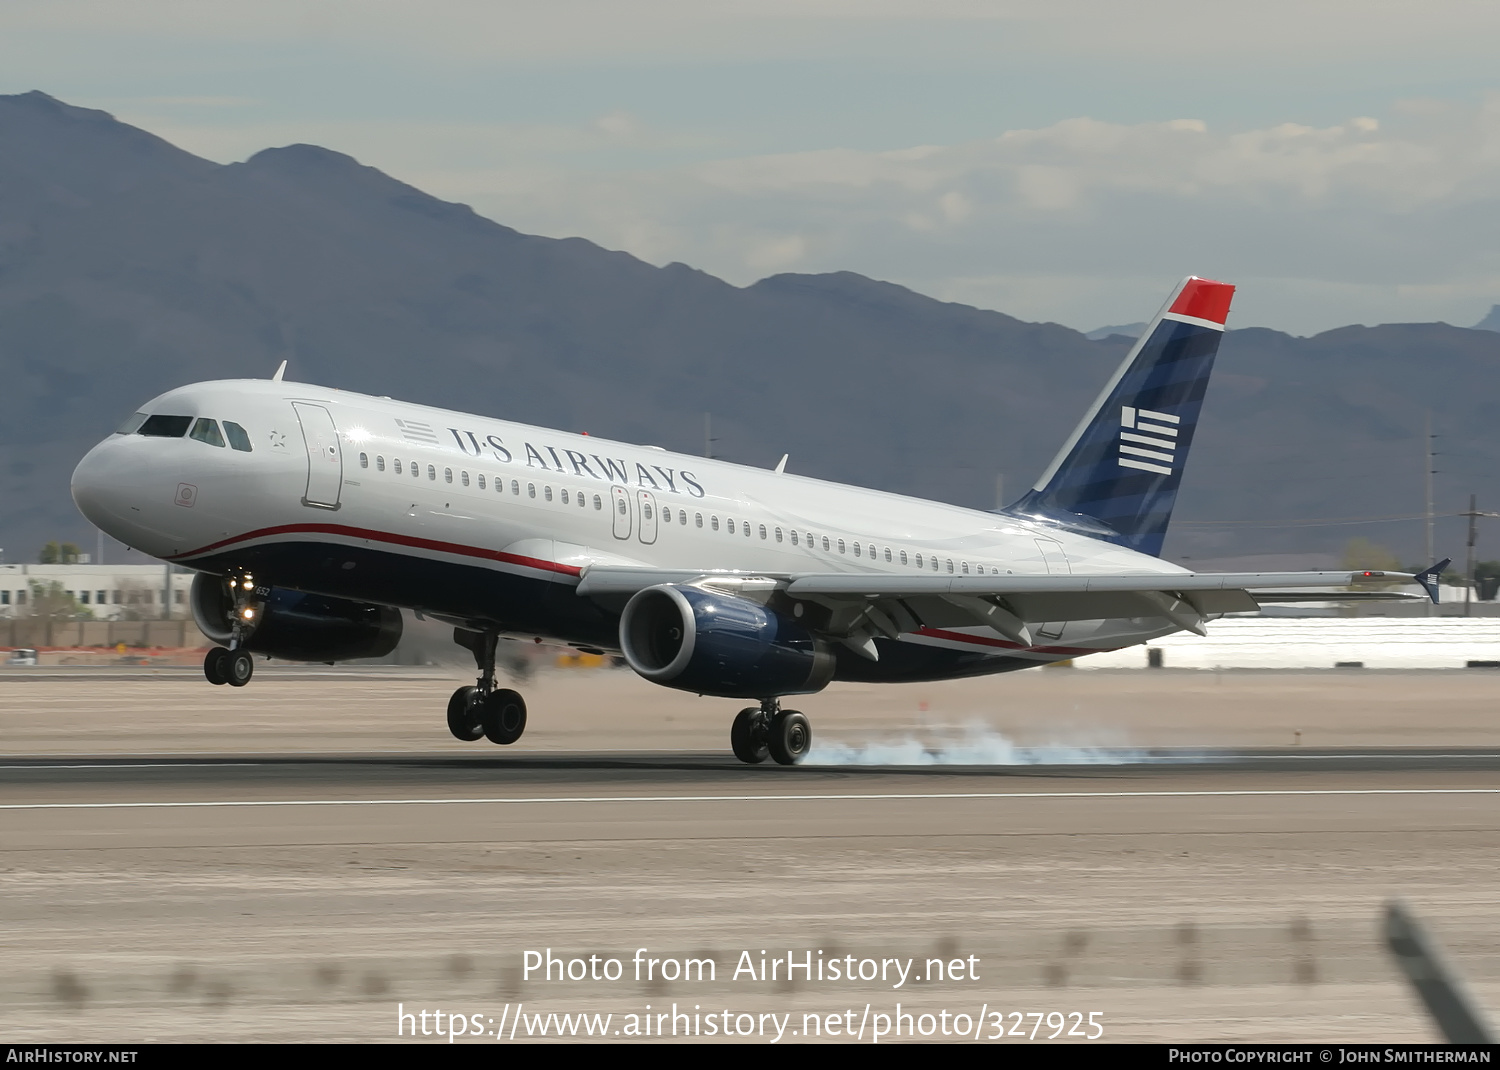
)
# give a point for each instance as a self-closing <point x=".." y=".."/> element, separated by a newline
<point x="206" y="430"/>
<point x="132" y="424"/>
<point x="237" y="436"/>
<point x="165" y="426"/>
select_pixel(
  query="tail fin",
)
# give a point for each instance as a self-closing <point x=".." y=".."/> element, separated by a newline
<point x="1116" y="478"/>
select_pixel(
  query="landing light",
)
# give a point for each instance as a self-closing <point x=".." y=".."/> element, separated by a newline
<point x="248" y="613"/>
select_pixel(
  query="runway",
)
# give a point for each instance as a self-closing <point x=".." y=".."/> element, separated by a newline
<point x="279" y="888"/>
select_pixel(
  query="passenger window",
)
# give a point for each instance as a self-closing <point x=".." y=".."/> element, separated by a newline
<point x="581" y="500"/>
<point x="165" y="426"/>
<point x="565" y="496"/>
<point x="745" y="525"/>
<point x="515" y="486"/>
<point x="598" y="502"/>
<point x="379" y="463"/>
<point x="547" y="492"/>
<point x="729" y="525"/>
<point x="713" y="522"/>
<point x="364" y="460"/>
<point x="965" y="566"/>
<point x="416" y="470"/>
<point x="856" y="549"/>
<point x="825" y="542"/>
<point x="238" y="439"/>
<point x="447" y="475"/>
<point x="646" y="511"/>
<point x="794" y="536"/>
<point x="888" y="555"/>
<point x="666" y="514"/>
<point x="903" y="557"/>
<point x="622" y="506"/>
<point x="531" y="490"/>
<point x="778" y="534"/>
<point x="841" y="546"/>
<point x="131" y="425"/>
<point x="432" y="474"/>
<point x="762" y="531"/>
<point x="919" y="560"/>
<point x="463" y="478"/>
<point x="699" y="519"/>
<point x="935" y="565"/>
<point x="396" y="465"/>
<point x="480" y="479"/>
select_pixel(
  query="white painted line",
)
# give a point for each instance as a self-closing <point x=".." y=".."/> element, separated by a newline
<point x="142" y="765"/>
<point x="753" y="798"/>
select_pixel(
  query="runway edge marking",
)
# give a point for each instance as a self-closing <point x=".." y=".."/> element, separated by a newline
<point x="748" y="798"/>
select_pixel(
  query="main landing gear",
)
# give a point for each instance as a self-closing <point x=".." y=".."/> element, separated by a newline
<point x="498" y="714"/>
<point x="235" y="666"/>
<point x="768" y="731"/>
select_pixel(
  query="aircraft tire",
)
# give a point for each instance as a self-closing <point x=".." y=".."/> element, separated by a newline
<point x="790" y="737"/>
<point x="213" y="666"/>
<point x="463" y="718"/>
<point x="747" y="737"/>
<point x="503" y="716"/>
<point x="239" y="666"/>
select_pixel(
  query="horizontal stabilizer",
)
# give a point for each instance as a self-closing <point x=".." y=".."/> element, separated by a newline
<point x="1428" y="578"/>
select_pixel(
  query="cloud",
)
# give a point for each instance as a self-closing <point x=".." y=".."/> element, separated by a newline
<point x="1366" y="220"/>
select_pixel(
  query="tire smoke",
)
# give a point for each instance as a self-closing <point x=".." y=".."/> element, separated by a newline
<point x="975" y="743"/>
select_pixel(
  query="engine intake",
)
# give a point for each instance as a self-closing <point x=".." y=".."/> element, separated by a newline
<point x="298" y="626"/>
<point x="716" y="644"/>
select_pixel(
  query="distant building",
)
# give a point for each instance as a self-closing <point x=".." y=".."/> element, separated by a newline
<point x="107" y="592"/>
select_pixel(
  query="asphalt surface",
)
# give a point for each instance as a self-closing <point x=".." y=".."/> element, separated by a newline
<point x="182" y="862"/>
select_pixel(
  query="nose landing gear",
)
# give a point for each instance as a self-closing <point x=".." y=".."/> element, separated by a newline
<point x="768" y="731"/>
<point x="234" y="666"/>
<point x="498" y="714"/>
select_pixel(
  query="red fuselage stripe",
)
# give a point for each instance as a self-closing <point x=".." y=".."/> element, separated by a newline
<point x="387" y="537"/>
<point x="984" y="640"/>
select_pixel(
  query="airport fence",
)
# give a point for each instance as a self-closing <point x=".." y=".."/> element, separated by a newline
<point x="103" y="634"/>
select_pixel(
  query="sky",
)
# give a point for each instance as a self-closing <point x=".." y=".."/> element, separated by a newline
<point x="1064" y="160"/>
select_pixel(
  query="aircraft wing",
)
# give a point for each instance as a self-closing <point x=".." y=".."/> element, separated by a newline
<point x="1197" y="586"/>
<point x="863" y="605"/>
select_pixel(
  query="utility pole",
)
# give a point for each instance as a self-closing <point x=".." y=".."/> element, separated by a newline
<point x="1429" y="473"/>
<point x="1473" y="514"/>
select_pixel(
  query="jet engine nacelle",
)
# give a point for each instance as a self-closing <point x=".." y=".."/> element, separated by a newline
<point x="297" y="626"/>
<point x="717" y="644"/>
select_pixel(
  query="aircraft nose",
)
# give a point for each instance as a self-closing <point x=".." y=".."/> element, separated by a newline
<point x="97" y="485"/>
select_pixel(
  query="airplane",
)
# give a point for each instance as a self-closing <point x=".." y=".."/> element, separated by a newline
<point x="315" y="516"/>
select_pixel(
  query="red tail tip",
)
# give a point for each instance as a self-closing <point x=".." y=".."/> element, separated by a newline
<point x="1204" y="299"/>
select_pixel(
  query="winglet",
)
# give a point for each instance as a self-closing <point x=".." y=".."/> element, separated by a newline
<point x="1428" y="578"/>
<point x="781" y="464"/>
<point x="279" y="373"/>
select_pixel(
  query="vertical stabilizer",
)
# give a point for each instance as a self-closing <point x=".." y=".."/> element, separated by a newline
<point x="1116" y="477"/>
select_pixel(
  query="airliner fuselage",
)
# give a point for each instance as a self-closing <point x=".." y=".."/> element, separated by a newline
<point x="314" y="516"/>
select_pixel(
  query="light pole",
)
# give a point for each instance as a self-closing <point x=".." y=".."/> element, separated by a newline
<point x="1473" y="514"/>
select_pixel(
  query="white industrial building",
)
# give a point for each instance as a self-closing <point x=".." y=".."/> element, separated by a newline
<point x="107" y="592"/>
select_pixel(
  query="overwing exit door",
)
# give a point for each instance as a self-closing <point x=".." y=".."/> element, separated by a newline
<point x="620" y="503"/>
<point x="325" y="462"/>
<point x="648" y="516"/>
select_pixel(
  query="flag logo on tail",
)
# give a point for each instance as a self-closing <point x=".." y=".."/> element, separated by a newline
<point x="1148" y="440"/>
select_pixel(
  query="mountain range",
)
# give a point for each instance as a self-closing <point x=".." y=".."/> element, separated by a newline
<point x="128" y="266"/>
